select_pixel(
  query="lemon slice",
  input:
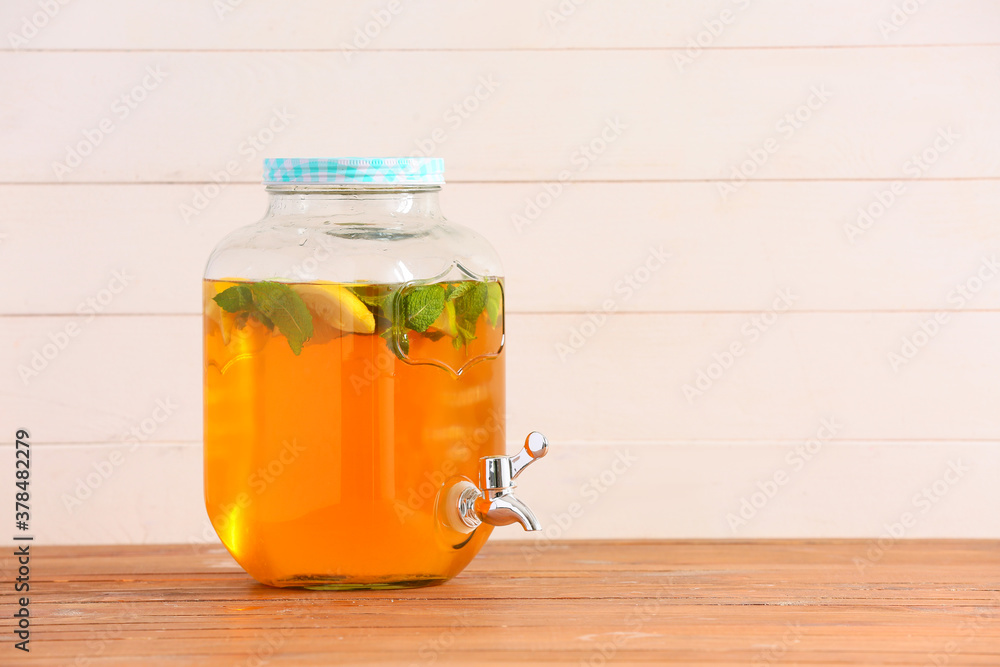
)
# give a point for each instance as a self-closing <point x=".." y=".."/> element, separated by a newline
<point x="219" y="317"/>
<point x="338" y="307"/>
<point x="447" y="322"/>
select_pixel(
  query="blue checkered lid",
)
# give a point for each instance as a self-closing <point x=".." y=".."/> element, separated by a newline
<point x="355" y="170"/>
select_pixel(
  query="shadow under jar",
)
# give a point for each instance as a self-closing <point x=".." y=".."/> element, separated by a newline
<point x="354" y="382"/>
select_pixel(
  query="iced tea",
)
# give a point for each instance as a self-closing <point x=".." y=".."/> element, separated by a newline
<point x="335" y="414"/>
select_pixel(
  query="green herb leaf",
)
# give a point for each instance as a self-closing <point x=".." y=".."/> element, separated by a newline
<point x="468" y="306"/>
<point x="422" y="305"/>
<point x="399" y="343"/>
<point x="281" y="305"/>
<point x="494" y="302"/>
<point x="455" y="290"/>
<point x="466" y="333"/>
<point x="472" y="301"/>
<point x="272" y="304"/>
<point x="370" y="300"/>
<point x="262" y="318"/>
<point x="235" y="299"/>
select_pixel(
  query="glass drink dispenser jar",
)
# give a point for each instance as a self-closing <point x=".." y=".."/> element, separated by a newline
<point x="354" y="382"/>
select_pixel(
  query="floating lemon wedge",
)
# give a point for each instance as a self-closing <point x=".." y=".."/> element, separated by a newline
<point x="338" y="307"/>
<point x="219" y="317"/>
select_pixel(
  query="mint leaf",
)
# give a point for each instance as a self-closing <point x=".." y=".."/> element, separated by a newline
<point x="399" y="344"/>
<point x="422" y="305"/>
<point x="272" y="304"/>
<point x="235" y="299"/>
<point x="494" y="302"/>
<point x="455" y="290"/>
<point x="466" y="301"/>
<point x="262" y="318"/>
<point x="472" y="301"/>
<point x="370" y="300"/>
<point x="466" y="332"/>
<point x="286" y="310"/>
<point x="384" y="310"/>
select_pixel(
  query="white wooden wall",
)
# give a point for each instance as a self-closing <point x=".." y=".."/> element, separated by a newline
<point x="811" y="421"/>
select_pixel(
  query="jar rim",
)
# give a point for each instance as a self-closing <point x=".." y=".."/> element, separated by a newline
<point x="342" y="189"/>
<point x="355" y="171"/>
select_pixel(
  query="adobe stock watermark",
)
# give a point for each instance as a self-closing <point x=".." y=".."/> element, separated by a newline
<point x="624" y="289"/>
<point x="110" y="631"/>
<point x="582" y="158"/>
<point x="59" y="340"/>
<point x="123" y="107"/>
<point x="634" y="623"/>
<point x="268" y="644"/>
<point x="795" y="460"/>
<point x="32" y="25"/>
<point x="966" y="631"/>
<point x="562" y="12"/>
<point x="712" y="29"/>
<point x="104" y="469"/>
<point x="366" y="34"/>
<point x="751" y="331"/>
<point x="224" y="8"/>
<point x="588" y="494"/>
<point x="247" y="154"/>
<point x="260" y="480"/>
<point x="900" y="15"/>
<point x="915" y="167"/>
<point x="775" y="652"/>
<point x="323" y="251"/>
<point x="383" y="366"/>
<point x="432" y="481"/>
<point x="786" y="127"/>
<point x="960" y="296"/>
<point x="921" y="503"/>
<point x="430" y="650"/>
<point x="456" y="114"/>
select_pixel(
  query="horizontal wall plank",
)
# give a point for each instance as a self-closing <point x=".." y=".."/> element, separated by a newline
<point x="570" y="376"/>
<point x="861" y="489"/>
<point x="315" y="24"/>
<point x="186" y="116"/>
<point x="568" y="257"/>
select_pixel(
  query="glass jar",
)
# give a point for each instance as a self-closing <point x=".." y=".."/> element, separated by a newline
<point x="354" y="382"/>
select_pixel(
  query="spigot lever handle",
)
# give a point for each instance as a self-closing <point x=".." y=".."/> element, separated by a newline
<point x="535" y="447"/>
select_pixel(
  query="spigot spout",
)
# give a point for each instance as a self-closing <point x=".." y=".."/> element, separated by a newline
<point x="506" y="509"/>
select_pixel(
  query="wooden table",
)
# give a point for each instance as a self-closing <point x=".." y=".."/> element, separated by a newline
<point x="590" y="603"/>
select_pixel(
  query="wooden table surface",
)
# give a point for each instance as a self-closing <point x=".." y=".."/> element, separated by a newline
<point x="582" y="603"/>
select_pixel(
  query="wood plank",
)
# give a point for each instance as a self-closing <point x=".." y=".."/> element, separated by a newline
<point x="564" y="556"/>
<point x="733" y="257"/>
<point x="582" y="490"/>
<point x="671" y="125"/>
<point x="800" y="368"/>
<point x="518" y="24"/>
<point x="712" y="603"/>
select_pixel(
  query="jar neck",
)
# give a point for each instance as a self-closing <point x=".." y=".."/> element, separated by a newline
<point x="335" y="200"/>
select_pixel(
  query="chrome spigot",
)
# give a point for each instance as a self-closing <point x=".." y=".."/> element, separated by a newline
<point x="493" y="501"/>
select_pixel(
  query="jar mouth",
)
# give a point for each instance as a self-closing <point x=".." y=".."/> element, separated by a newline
<point x="344" y="189"/>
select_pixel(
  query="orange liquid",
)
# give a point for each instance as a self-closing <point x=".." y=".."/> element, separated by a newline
<point x="324" y="469"/>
